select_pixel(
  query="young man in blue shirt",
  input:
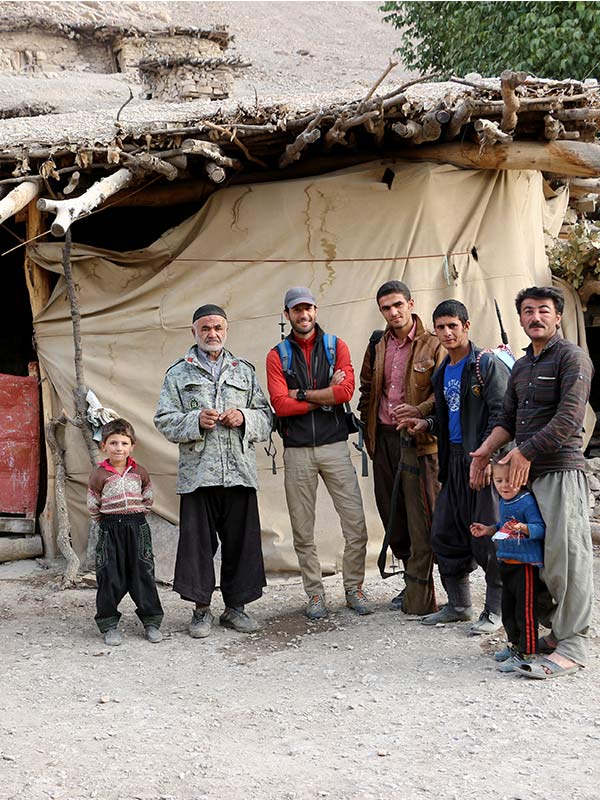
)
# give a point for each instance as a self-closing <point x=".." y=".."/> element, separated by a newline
<point x="469" y="387"/>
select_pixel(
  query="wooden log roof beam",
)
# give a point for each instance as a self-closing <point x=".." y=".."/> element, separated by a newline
<point x="18" y="198"/>
<point x="67" y="211"/>
<point x="577" y="159"/>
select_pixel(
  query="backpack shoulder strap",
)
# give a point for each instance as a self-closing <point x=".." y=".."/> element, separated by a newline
<point x="284" y="348"/>
<point x="330" y="345"/>
<point x="375" y="337"/>
<point x="478" y="370"/>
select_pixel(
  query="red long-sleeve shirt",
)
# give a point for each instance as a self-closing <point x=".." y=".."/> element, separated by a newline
<point x="286" y="406"/>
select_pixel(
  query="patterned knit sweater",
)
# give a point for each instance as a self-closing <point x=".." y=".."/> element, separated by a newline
<point x="524" y="549"/>
<point x="112" y="493"/>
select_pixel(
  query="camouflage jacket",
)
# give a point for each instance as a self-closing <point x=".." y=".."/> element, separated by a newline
<point x="222" y="456"/>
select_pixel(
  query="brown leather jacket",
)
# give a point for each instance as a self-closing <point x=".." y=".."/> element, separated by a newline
<point x="425" y="356"/>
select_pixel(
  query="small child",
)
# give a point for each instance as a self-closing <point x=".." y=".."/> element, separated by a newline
<point x="119" y="494"/>
<point x="520" y="549"/>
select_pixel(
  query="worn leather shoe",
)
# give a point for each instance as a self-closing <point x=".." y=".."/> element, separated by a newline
<point x="488" y="622"/>
<point x="153" y="634"/>
<point x="113" y="637"/>
<point x="239" y="620"/>
<point x="448" y="613"/>
<point x="201" y="623"/>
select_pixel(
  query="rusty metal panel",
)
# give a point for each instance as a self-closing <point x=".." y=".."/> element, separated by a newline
<point x="19" y="444"/>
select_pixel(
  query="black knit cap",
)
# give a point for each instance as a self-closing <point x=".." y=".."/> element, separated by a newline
<point x="208" y="310"/>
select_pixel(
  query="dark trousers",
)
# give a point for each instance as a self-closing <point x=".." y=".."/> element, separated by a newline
<point x="395" y="462"/>
<point x="458" y="552"/>
<point x="125" y="563"/>
<point x="521" y="585"/>
<point x="231" y="514"/>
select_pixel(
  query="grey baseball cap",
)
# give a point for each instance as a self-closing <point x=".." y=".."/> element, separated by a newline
<point x="297" y="295"/>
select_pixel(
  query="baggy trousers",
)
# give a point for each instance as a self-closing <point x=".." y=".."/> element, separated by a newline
<point x="410" y="533"/>
<point x="231" y="514"/>
<point x="332" y="462"/>
<point x="521" y="588"/>
<point x="567" y="572"/>
<point x="125" y="563"/>
<point x="456" y="550"/>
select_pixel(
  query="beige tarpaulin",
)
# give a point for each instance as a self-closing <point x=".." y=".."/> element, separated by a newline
<point x="447" y="232"/>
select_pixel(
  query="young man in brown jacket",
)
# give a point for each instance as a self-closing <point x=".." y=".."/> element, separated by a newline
<point x="395" y="384"/>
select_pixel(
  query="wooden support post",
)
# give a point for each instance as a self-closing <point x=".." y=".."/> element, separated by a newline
<point x="39" y="288"/>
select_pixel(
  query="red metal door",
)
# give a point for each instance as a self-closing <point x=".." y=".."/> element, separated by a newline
<point x="19" y="444"/>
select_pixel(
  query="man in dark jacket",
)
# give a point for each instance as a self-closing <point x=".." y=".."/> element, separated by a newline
<point x="395" y="383"/>
<point x="469" y="388"/>
<point x="544" y="409"/>
<point x="308" y="395"/>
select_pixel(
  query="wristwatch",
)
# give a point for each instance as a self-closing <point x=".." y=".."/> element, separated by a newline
<point x="301" y="394"/>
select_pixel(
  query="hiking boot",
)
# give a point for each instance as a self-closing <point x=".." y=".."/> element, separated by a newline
<point x="516" y="660"/>
<point x="448" y="613"/>
<point x="153" y="634"/>
<point x="396" y="602"/>
<point x="506" y="653"/>
<point x="113" y="637"/>
<point x="201" y="623"/>
<point x="488" y="622"/>
<point x="357" y="600"/>
<point x="316" y="608"/>
<point x="237" y="619"/>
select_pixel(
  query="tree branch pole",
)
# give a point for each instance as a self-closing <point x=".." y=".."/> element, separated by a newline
<point x="80" y="390"/>
<point x="67" y="211"/>
<point x="63" y="538"/>
<point x="64" y="524"/>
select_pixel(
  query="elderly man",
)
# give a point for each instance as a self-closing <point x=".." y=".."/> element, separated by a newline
<point x="212" y="406"/>
<point x="543" y="409"/>
<point x="310" y="377"/>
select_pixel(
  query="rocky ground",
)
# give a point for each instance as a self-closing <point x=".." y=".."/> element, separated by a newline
<point x="348" y="708"/>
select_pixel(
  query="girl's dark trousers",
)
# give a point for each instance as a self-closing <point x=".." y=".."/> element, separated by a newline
<point x="125" y="564"/>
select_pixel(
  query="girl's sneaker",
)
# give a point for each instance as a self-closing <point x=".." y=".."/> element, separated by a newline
<point x="503" y="655"/>
<point x="113" y="637"/>
<point x="511" y="664"/>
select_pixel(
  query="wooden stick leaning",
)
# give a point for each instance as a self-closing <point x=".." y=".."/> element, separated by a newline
<point x="79" y="421"/>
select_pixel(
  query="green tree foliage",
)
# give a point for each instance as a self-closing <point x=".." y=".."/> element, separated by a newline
<point x="546" y="39"/>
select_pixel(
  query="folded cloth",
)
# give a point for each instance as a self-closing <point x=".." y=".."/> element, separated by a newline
<point x="98" y="415"/>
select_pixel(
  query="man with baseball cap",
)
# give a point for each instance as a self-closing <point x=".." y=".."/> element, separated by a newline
<point x="212" y="406"/>
<point x="308" y="393"/>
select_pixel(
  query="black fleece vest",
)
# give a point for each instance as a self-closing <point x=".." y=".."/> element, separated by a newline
<point x="321" y="426"/>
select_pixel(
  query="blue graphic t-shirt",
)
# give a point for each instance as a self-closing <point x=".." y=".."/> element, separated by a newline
<point x="452" y="378"/>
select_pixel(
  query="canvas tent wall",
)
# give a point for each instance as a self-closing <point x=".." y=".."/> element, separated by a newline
<point x="471" y="234"/>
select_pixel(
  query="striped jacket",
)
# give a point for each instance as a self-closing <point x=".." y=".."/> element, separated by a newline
<point x="109" y="492"/>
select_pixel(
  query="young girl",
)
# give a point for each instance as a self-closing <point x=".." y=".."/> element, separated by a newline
<point x="119" y="494"/>
<point x="520" y="549"/>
